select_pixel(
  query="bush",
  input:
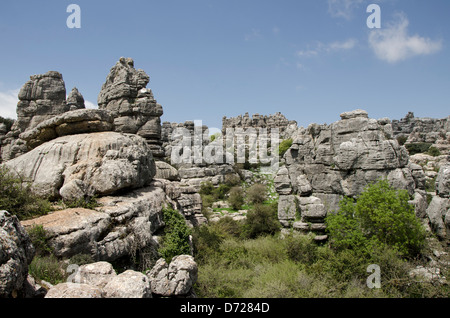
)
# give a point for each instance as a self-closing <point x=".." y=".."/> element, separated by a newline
<point x="433" y="151"/>
<point x="232" y="180"/>
<point x="8" y="123"/>
<point x="206" y="188"/>
<point x="284" y="146"/>
<point x="257" y="193"/>
<point x="402" y="140"/>
<point x="48" y="268"/>
<point x="421" y="147"/>
<point x="221" y="191"/>
<point x="261" y="220"/>
<point x="39" y="238"/>
<point x="176" y="239"/>
<point x="301" y="248"/>
<point x="380" y="217"/>
<point x="236" y="198"/>
<point x="16" y="197"/>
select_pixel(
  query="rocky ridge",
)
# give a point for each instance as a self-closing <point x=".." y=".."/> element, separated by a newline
<point x="120" y="153"/>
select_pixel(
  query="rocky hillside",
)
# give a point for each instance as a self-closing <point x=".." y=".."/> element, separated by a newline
<point x="122" y="155"/>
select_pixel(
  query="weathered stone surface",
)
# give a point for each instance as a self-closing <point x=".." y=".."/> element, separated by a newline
<point x="282" y="182"/>
<point x="287" y="207"/>
<point x="135" y="218"/>
<point x="120" y="226"/>
<point x="277" y="120"/>
<point x="86" y="164"/>
<point x="70" y="123"/>
<point x="96" y="274"/>
<point x="41" y="98"/>
<point x="342" y="159"/>
<point x="420" y="130"/>
<point x="72" y="231"/>
<point x="16" y="253"/>
<point x="74" y="290"/>
<point x="75" y="100"/>
<point x="129" y="284"/>
<point x="437" y="213"/>
<point x="133" y="106"/>
<point x="311" y="208"/>
<point x="443" y="181"/>
<point x="354" y="114"/>
<point x="166" y="171"/>
<point x="174" y="279"/>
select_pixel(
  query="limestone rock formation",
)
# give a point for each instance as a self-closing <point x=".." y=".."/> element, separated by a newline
<point x="41" y="98"/>
<point x="132" y="105"/>
<point x="277" y="120"/>
<point x="70" y="123"/>
<point x="174" y="279"/>
<point x="99" y="280"/>
<point x="73" y="167"/>
<point x="129" y="284"/>
<point x="74" y="290"/>
<point x="438" y="211"/>
<point x="326" y="162"/>
<point x="16" y="253"/>
<point x="120" y="226"/>
<point x="75" y="100"/>
<point x="95" y="274"/>
<point x="424" y="130"/>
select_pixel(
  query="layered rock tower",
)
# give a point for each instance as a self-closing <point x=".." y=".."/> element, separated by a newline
<point x="132" y="105"/>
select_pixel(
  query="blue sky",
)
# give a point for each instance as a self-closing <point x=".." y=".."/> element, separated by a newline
<point x="310" y="60"/>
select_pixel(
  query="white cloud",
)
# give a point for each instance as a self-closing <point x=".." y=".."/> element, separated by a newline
<point x="343" y="8"/>
<point x="346" y="45"/>
<point x="254" y="34"/>
<point x="90" y="105"/>
<point x="8" y="103"/>
<point x="321" y="48"/>
<point x="393" y="44"/>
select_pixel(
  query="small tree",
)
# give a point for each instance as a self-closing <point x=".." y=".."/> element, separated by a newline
<point x="236" y="198"/>
<point x="17" y="198"/>
<point x="257" y="193"/>
<point x="261" y="220"/>
<point x="381" y="216"/>
<point x="176" y="236"/>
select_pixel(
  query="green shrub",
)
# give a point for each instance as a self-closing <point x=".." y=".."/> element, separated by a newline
<point x="261" y="220"/>
<point x="257" y="193"/>
<point x="229" y="227"/>
<point x="236" y="198"/>
<point x="416" y="148"/>
<point x="284" y="146"/>
<point x="232" y="180"/>
<point x="39" y="238"/>
<point x="433" y="151"/>
<point x="89" y="203"/>
<point x="48" y="268"/>
<point x="206" y="188"/>
<point x="8" y="123"/>
<point x="301" y="248"/>
<point x="16" y="197"/>
<point x="81" y="259"/>
<point x="175" y="240"/>
<point x="221" y="191"/>
<point x="380" y="217"/>
<point x="402" y="139"/>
